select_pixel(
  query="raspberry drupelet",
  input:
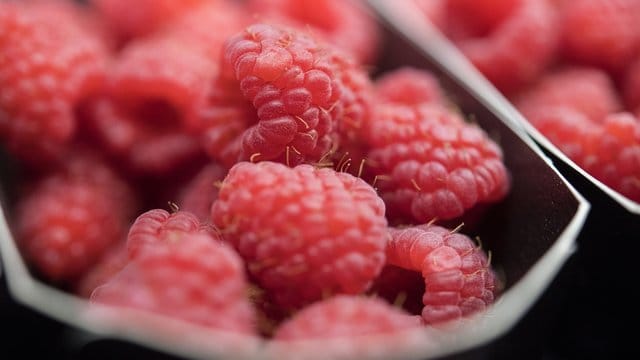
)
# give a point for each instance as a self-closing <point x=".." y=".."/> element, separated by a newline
<point x="458" y="277"/>
<point x="304" y="232"/>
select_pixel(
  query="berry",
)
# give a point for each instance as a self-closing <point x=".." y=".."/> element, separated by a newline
<point x="315" y="231"/>
<point x="109" y="265"/>
<point x="430" y="163"/>
<point x="519" y="49"/>
<point x="345" y="316"/>
<point x="145" y="17"/>
<point x="467" y="18"/>
<point x="159" y="226"/>
<point x="600" y="32"/>
<point x="48" y="64"/>
<point x="199" y="194"/>
<point x="409" y="86"/>
<point x="587" y="90"/>
<point x="631" y="86"/>
<point x="68" y="219"/>
<point x="194" y="279"/>
<point x="292" y="82"/>
<point x="401" y="287"/>
<point x="458" y="277"/>
<point x="434" y="11"/>
<point x="346" y="25"/>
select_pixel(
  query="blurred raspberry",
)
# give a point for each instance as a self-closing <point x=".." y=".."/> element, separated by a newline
<point x="409" y="86"/>
<point x="201" y="191"/>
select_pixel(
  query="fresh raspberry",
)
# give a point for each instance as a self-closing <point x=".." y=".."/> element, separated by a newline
<point x="145" y="16"/>
<point x="568" y="129"/>
<point x="199" y="194"/>
<point x="430" y="163"/>
<point x="458" y="277"/>
<point x="345" y="316"/>
<point x="519" y="49"/>
<point x="602" y="33"/>
<point x="409" y="86"/>
<point x="315" y="231"/>
<point x="146" y="137"/>
<point x="109" y="265"/>
<point x="345" y="24"/>
<point x="470" y="18"/>
<point x="292" y="82"/>
<point x="48" y="64"/>
<point x="587" y="90"/>
<point x="616" y="161"/>
<point x="69" y="218"/>
<point x="194" y="279"/>
<point x="159" y="226"/>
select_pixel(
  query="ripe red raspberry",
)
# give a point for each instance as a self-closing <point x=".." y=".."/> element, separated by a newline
<point x="109" y="265"/>
<point x="345" y="24"/>
<point x="430" y="163"/>
<point x="345" y="316"/>
<point x="199" y="194"/>
<point x="568" y="129"/>
<point x="68" y="219"/>
<point x="194" y="279"/>
<point x="616" y="161"/>
<point x="409" y="86"/>
<point x="631" y="86"/>
<point x="469" y="18"/>
<point x="601" y="32"/>
<point x="293" y="82"/>
<point x="315" y="231"/>
<point x="519" y="49"/>
<point x="159" y="226"/>
<point x="458" y="277"/>
<point x="48" y="64"/>
<point x="588" y="90"/>
<point x="144" y="17"/>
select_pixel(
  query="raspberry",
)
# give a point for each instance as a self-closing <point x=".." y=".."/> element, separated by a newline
<point x="587" y="90"/>
<point x="401" y="287"/>
<point x="316" y="231"/>
<point x="616" y="161"/>
<point x="458" y="277"/>
<point x="48" y="64"/>
<point x="146" y="137"/>
<point x="434" y="11"/>
<point x="345" y="24"/>
<point x="600" y="32"/>
<point x="430" y="163"/>
<point x="631" y="86"/>
<point x="194" y="279"/>
<point x="467" y="18"/>
<point x="159" y="226"/>
<point x="409" y="86"/>
<point x="69" y="218"/>
<point x="199" y="194"/>
<point x="143" y="18"/>
<point x="568" y="129"/>
<point x="109" y="265"/>
<point x="345" y="316"/>
<point x="519" y="48"/>
<point x="292" y="82"/>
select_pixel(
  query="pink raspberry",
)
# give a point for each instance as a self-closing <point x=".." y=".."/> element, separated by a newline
<point x="111" y="263"/>
<point x="48" y="64"/>
<point x="409" y="86"/>
<point x="469" y="18"/>
<point x="430" y="163"/>
<point x="344" y="316"/>
<point x="631" y="86"/>
<point x="602" y="33"/>
<point x="433" y="10"/>
<point x="194" y="279"/>
<point x="588" y="90"/>
<point x="315" y="231"/>
<point x="458" y="277"/>
<point x="345" y="24"/>
<point x="519" y="48"/>
<point x="159" y="226"/>
<point x="293" y="82"/>
<point x="198" y="195"/>
<point x="68" y="219"/>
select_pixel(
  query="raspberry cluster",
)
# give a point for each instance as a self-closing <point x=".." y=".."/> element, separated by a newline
<point x="255" y="179"/>
<point x="571" y="67"/>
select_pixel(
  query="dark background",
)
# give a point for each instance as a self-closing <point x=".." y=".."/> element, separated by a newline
<point x="580" y="316"/>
